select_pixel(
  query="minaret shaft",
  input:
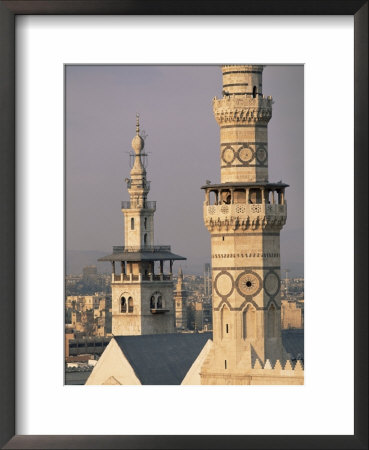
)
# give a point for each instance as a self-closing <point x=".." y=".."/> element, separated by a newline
<point x="244" y="214"/>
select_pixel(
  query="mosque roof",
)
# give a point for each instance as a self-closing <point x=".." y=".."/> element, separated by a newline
<point x="165" y="359"/>
<point x="162" y="359"/>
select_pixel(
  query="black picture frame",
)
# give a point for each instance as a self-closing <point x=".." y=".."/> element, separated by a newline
<point x="8" y="11"/>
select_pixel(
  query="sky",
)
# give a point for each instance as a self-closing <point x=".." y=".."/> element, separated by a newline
<point x="175" y="107"/>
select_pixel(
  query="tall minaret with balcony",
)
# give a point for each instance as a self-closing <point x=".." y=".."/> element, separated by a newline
<point x="142" y="293"/>
<point x="244" y="214"/>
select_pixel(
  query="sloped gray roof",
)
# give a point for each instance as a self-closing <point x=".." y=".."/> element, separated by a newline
<point x="293" y="342"/>
<point x="165" y="359"/>
<point x="142" y="256"/>
<point x="162" y="358"/>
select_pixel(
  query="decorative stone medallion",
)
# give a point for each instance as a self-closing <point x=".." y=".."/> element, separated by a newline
<point x="261" y="154"/>
<point x="271" y="284"/>
<point x="223" y="284"/>
<point x="248" y="283"/>
<point x="228" y="155"/>
<point x="245" y="154"/>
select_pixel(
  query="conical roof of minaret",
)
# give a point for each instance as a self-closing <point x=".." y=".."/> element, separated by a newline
<point x="138" y="144"/>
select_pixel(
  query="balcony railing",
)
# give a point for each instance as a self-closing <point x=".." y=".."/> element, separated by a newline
<point x="243" y="209"/>
<point x="136" y="205"/>
<point x="145" y="248"/>
<point x="131" y="278"/>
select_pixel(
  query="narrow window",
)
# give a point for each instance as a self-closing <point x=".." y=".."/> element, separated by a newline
<point x="123" y="305"/>
<point x="222" y="238"/>
<point x="225" y="363"/>
<point x="159" y="303"/>
<point x="254" y="92"/>
<point x="227" y="328"/>
<point x="145" y="223"/>
<point x="152" y="302"/>
<point x="132" y="223"/>
<point x="130" y="305"/>
<point x="145" y="239"/>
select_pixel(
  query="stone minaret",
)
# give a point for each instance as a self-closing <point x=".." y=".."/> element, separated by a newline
<point x="180" y="302"/>
<point x="142" y="299"/>
<point x="244" y="215"/>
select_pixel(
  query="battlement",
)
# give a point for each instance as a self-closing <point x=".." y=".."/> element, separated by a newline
<point x="242" y="108"/>
<point x="244" y="216"/>
<point x="288" y="366"/>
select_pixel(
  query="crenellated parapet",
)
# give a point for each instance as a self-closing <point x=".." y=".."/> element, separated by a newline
<point x="233" y="109"/>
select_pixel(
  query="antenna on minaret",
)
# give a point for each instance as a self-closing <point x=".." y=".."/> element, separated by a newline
<point x="137" y="124"/>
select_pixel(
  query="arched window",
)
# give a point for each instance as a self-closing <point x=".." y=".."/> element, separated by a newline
<point x="249" y="322"/>
<point x="132" y="223"/>
<point x="130" y="305"/>
<point x="272" y="321"/>
<point x="156" y="301"/>
<point x="254" y="92"/>
<point x="123" y="305"/>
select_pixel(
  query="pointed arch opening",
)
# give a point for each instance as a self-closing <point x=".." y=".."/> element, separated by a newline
<point x="130" y="305"/>
<point x="123" y="305"/>
<point x="249" y="322"/>
<point x="272" y="321"/>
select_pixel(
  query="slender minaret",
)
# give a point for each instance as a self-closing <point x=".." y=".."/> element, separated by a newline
<point x="142" y="300"/>
<point x="244" y="215"/>
<point x="180" y="302"/>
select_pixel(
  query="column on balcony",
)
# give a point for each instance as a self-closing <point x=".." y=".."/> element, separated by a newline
<point x="247" y="190"/>
<point x="207" y="197"/>
<point x="282" y="196"/>
<point x="161" y="270"/>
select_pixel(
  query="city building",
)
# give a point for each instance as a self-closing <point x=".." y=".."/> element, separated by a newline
<point x="142" y="298"/>
<point x="292" y="314"/>
<point x="244" y="214"/>
<point x="180" y="302"/>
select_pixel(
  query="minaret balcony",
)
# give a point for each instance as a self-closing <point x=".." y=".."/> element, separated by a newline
<point x="138" y="205"/>
<point x="134" y="278"/>
<point x="245" y="215"/>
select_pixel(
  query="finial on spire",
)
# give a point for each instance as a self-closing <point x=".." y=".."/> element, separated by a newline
<point x="137" y="142"/>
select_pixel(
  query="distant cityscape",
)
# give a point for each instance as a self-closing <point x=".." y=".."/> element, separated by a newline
<point x="88" y="314"/>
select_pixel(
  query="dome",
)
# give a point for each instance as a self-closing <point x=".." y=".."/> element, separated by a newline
<point x="138" y="143"/>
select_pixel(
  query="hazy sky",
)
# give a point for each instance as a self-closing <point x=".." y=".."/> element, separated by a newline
<point x="175" y="107"/>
